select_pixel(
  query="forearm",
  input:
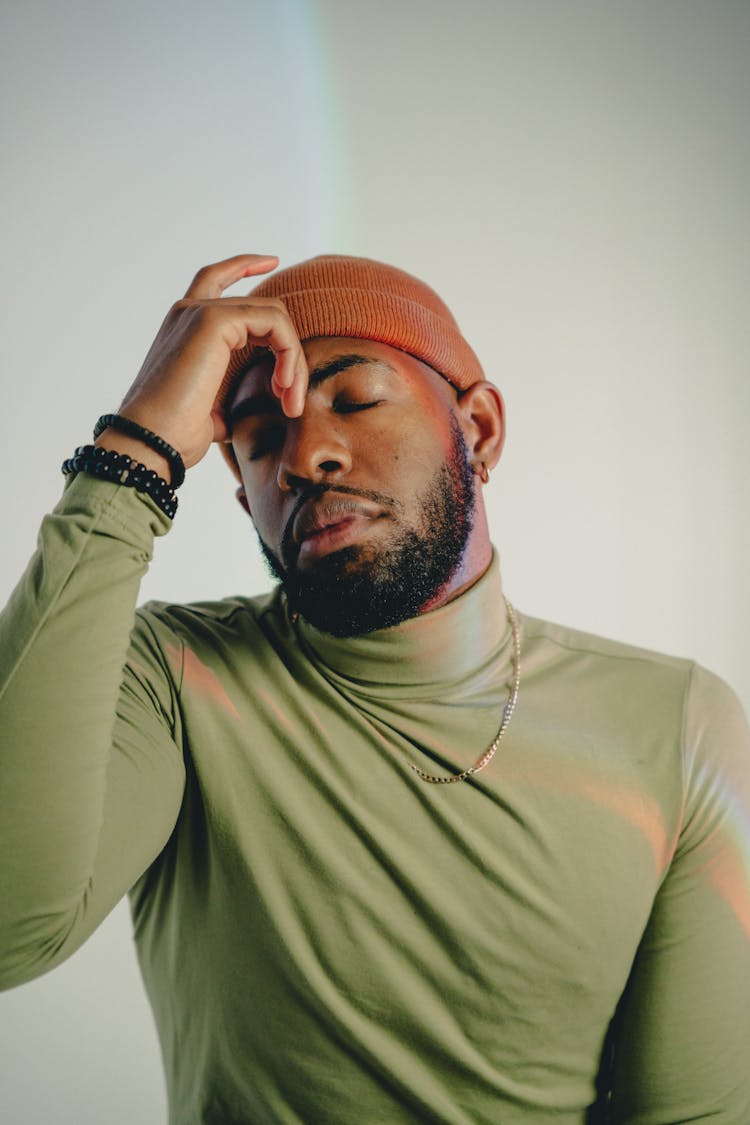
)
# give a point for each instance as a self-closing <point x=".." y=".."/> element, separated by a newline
<point x="64" y="637"/>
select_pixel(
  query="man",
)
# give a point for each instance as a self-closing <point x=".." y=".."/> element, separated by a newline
<point x="395" y="852"/>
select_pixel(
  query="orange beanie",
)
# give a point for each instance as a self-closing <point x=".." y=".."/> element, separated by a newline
<point x="335" y="295"/>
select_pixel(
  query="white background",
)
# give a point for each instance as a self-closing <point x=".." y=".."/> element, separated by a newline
<point x="571" y="175"/>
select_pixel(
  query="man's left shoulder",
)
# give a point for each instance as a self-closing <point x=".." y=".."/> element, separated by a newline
<point x="571" y="644"/>
<point x="625" y="677"/>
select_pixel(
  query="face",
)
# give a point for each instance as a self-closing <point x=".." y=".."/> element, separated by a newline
<point x="364" y="504"/>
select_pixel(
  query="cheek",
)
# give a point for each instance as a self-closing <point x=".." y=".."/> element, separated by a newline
<point x="410" y="442"/>
<point x="423" y="446"/>
<point x="262" y="504"/>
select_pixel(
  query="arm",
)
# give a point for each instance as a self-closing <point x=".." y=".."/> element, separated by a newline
<point x="683" y="1049"/>
<point x="79" y="821"/>
<point x="90" y="771"/>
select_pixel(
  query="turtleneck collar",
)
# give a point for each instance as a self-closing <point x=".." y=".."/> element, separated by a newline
<point x="459" y="640"/>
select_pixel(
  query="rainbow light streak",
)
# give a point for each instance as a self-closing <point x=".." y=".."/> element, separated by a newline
<point x="324" y="188"/>
<point x="727" y="870"/>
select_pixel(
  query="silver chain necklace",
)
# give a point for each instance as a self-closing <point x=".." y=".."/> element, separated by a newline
<point x="510" y="707"/>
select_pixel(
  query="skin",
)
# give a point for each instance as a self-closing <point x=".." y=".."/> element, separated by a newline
<point x="381" y="457"/>
<point x="378" y="430"/>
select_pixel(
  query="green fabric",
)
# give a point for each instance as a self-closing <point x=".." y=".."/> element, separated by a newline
<point x="324" y="937"/>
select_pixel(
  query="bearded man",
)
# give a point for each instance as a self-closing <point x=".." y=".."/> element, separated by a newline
<point x="395" y="852"/>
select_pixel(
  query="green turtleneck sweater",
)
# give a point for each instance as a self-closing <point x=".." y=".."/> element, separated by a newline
<point x="326" y="938"/>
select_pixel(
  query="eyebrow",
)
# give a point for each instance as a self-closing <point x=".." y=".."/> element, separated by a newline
<point x="265" y="402"/>
<point x="339" y="363"/>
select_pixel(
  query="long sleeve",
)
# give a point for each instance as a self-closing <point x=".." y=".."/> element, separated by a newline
<point x="91" y="774"/>
<point x="684" y="1040"/>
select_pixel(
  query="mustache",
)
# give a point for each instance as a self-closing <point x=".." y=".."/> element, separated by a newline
<point x="316" y="492"/>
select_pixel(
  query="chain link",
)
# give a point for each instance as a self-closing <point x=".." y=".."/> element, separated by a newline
<point x="510" y="707"/>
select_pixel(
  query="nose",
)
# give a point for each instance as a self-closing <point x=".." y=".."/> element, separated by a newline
<point x="313" y="451"/>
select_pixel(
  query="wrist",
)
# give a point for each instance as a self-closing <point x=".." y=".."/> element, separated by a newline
<point x="121" y="424"/>
<point x="123" y="469"/>
<point x="138" y="450"/>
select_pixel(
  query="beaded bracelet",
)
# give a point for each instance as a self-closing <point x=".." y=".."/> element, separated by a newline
<point x="108" y="464"/>
<point x="127" y="426"/>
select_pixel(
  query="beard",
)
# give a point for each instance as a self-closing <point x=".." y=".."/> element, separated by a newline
<point x="354" y="590"/>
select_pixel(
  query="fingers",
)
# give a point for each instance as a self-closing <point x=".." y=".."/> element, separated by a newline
<point x="290" y="378"/>
<point x="211" y="281"/>
<point x="265" y="321"/>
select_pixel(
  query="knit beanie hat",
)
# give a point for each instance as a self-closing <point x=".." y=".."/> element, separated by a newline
<point x="335" y="295"/>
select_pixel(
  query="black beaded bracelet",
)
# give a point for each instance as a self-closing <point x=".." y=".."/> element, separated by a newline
<point x="108" y="464"/>
<point x="127" y="426"/>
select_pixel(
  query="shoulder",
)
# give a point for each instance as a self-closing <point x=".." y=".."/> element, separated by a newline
<point x="652" y="690"/>
<point x="228" y="621"/>
<point x="568" y="643"/>
<point x="551" y="643"/>
<point x="649" y="689"/>
<point x="584" y="658"/>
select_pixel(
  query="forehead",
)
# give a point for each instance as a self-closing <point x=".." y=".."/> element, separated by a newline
<point x="409" y="373"/>
<point x="322" y="348"/>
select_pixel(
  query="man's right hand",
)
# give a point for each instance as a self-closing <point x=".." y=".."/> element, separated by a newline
<point x="174" y="394"/>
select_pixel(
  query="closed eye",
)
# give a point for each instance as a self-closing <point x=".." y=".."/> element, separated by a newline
<point x="346" y="406"/>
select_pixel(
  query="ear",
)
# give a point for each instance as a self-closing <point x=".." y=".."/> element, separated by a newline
<point x="481" y="412"/>
<point x="240" y="494"/>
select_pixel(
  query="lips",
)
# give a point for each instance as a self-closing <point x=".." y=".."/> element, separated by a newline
<point x="328" y="513"/>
